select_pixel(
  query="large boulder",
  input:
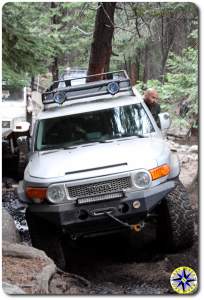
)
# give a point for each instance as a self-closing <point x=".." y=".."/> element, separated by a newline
<point x="12" y="289"/>
<point x="27" y="268"/>
<point x="188" y="158"/>
<point x="9" y="231"/>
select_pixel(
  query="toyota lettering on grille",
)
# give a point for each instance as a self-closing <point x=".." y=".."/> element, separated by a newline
<point x="99" y="188"/>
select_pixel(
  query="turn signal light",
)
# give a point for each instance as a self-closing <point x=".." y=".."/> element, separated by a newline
<point x="160" y="171"/>
<point x="38" y="195"/>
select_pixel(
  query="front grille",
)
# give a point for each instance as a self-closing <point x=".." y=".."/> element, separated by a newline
<point x="99" y="188"/>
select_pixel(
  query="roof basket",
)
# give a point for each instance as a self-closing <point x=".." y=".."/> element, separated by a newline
<point x="84" y="87"/>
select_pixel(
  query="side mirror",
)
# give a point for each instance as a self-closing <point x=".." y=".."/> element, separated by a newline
<point x="165" y="121"/>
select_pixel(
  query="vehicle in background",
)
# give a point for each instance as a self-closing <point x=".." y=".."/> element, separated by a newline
<point x="17" y="122"/>
<point x="77" y="75"/>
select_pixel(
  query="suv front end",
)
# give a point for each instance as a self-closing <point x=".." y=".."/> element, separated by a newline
<point x="99" y="164"/>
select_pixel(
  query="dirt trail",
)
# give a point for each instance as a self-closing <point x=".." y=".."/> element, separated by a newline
<point x="112" y="268"/>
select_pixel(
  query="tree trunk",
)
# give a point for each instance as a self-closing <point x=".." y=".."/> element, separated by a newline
<point x="54" y="66"/>
<point x="54" y="69"/>
<point x="32" y="82"/>
<point x="146" y="64"/>
<point x="168" y="31"/>
<point x="133" y="73"/>
<point x="101" y="47"/>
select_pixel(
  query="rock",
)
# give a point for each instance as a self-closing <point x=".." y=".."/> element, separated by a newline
<point x="188" y="173"/>
<point x="193" y="156"/>
<point x="9" y="231"/>
<point x="26" y="267"/>
<point x="183" y="148"/>
<point x="193" y="149"/>
<point x="178" y="132"/>
<point x="8" y="182"/>
<point x="11" y="289"/>
<point x="43" y="278"/>
<point x="19" y="250"/>
<point x="183" y="159"/>
<point x="63" y="283"/>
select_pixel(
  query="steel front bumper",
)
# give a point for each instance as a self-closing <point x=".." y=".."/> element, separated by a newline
<point x="91" y="217"/>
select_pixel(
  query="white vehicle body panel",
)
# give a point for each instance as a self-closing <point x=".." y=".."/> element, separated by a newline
<point x="92" y="161"/>
<point x="88" y="105"/>
<point x="14" y="112"/>
<point x="81" y="159"/>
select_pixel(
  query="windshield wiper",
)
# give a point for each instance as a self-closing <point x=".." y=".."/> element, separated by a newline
<point x="51" y="148"/>
<point x="85" y="142"/>
<point x="139" y="135"/>
<point x="132" y="135"/>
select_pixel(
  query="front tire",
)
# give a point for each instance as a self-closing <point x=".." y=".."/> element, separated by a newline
<point x="46" y="237"/>
<point x="175" y="228"/>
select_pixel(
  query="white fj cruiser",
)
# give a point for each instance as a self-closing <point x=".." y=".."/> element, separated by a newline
<point x="14" y="125"/>
<point x="99" y="164"/>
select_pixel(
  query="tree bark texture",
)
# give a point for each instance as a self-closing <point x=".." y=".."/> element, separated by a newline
<point x="101" y="47"/>
<point x="54" y="66"/>
<point x="133" y="73"/>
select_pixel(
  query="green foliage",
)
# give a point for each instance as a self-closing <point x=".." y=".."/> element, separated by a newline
<point x="180" y="84"/>
<point x="27" y="46"/>
<point x="14" y="79"/>
<point x="145" y="32"/>
<point x="31" y="40"/>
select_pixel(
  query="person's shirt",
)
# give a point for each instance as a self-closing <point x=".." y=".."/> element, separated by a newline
<point x="155" y="111"/>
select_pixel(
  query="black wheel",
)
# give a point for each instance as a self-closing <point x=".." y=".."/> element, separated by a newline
<point x="46" y="237"/>
<point x="175" y="228"/>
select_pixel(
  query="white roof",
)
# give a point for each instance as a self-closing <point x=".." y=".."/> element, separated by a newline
<point x="90" y="104"/>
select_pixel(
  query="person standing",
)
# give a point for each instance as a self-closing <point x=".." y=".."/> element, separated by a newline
<point x="150" y="99"/>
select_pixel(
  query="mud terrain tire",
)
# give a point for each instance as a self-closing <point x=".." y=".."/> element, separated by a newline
<point x="46" y="237"/>
<point x="175" y="229"/>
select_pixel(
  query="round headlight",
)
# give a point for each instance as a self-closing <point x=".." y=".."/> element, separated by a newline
<point x="56" y="193"/>
<point x="142" y="179"/>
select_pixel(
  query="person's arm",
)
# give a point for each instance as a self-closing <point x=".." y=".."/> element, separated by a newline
<point x="156" y="114"/>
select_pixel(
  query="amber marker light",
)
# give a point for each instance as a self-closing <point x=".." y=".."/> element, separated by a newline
<point x="160" y="171"/>
<point x="38" y="195"/>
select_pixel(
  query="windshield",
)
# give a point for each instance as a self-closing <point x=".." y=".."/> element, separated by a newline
<point x="95" y="126"/>
<point x="12" y="93"/>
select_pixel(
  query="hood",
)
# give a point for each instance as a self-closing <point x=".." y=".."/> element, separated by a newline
<point x="98" y="159"/>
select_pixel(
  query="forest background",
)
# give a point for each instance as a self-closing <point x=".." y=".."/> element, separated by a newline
<point x="156" y="42"/>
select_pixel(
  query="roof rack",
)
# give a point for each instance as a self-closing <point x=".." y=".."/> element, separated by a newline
<point x="65" y="90"/>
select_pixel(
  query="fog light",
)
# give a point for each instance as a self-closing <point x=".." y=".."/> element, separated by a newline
<point x="136" y="204"/>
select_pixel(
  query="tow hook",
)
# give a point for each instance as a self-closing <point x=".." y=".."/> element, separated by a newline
<point x="136" y="227"/>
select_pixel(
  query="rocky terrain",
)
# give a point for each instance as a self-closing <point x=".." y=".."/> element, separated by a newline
<point x="98" y="266"/>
